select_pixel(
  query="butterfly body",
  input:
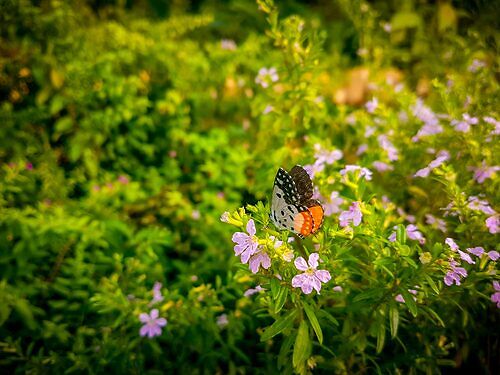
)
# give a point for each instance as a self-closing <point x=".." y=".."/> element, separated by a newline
<point x="291" y="206"/>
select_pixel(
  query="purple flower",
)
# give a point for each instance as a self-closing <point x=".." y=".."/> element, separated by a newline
<point x="493" y="224"/>
<point x="452" y="244"/>
<point x="429" y="118"/>
<point x="333" y="206"/>
<point x="269" y="108"/>
<point x="454" y="274"/>
<point x="464" y="125"/>
<point x="382" y="167"/>
<point x="494" y="255"/>
<point x="436" y="222"/>
<point x="337" y="289"/>
<point x="424" y="172"/>
<point x="476" y="65"/>
<point x="259" y="259"/>
<point x="152" y="324"/>
<point x="29" y="166"/>
<point x="251" y="292"/>
<point x="246" y="244"/>
<point x="324" y="156"/>
<point x="369" y="131"/>
<point x="477" y="251"/>
<point x="466" y="257"/>
<point x="123" y="180"/>
<point x="371" y="105"/>
<point x="363" y="172"/>
<point x="362" y="149"/>
<point x="442" y="156"/>
<point x="495" y="297"/>
<point x="392" y="152"/>
<point x="399" y="298"/>
<point x="492" y="121"/>
<point x="483" y="172"/>
<point x="157" y="296"/>
<point x="266" y="76"/>
<point x="312" y="277"/>
<point x="413" y="234"/>
<point x="353" y="215"/>
<point x="222" y="320"/>
<point x="480" y="205"/>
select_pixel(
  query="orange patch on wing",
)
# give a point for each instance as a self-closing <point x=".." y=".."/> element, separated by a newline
<point x="317" y="214"/>
<point x="303" y="223"/>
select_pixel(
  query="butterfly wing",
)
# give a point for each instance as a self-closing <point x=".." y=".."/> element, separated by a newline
<point x="316" y="209"/>
<point x="302" y="182"/>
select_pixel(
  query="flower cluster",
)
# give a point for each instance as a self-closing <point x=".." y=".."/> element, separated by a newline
<point x="248" y="248"/>
<point x="353" y="215"/>
<point x="322" y="157"/>
<point x="266" y="76"/>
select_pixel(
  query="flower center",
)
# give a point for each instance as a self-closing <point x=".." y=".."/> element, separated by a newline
<point x="310" y="271"/>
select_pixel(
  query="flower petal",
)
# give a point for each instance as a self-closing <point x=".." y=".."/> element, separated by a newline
<point x="313" y="260"/>
<point x="161" y="322"/>
<point x="298" y="280"/>
<point x="239" y="237"/>
<point x="323" y="275"/>
<point x="144" y="330"/>
<point x="300" y="264"/>
<point x="154" y="314"/>
<point x="251" y="228"/>
<point x="144" y="318"/>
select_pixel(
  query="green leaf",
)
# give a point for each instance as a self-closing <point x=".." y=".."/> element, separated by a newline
<point x="393" y="320"/>
<point x="279" y="325"/>
<point x="326" y="315"/>
<point x="302" y="346"/>
<point x="405" y="20"/>
<point x="275" y="287"/>
<point x="314" y="322"/>
<point x="285" y="349"/>
<point x="380" y="336"/>
<point x="401" y="234"/>
<point x="281" y="299"/>
<point x="409" y="301"/>
<point x="432" y="284"/>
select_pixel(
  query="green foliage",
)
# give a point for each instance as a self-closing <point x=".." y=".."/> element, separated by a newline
<point x="129" y="127"/>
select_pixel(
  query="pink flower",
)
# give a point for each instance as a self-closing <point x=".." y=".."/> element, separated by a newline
<point x="246" y="244"/>
<point x="222" y="320"/>
<point x="259" y="259"/>
<point x="493" y="224"/>
<point x="312" y="277"/>
<point x="399" y="298"/>
<point x="333" y="206"/>
<point x="495" y="297"/>
<point x="464" y="125"/>
<point x="362" y="149"/>
<point x="363" y="172"/>
<point x="266" y="76"/>
<point x="371" y="105"/>
<point x="413" y="234"/>
<point x="392" y="152"/>
<point x="466" y="257"/>
<point x="480" y="205"/>
<point x="157" y="296"/>
<point x="382" y="167"/>
<point x="251" y="292"/>
<point x="477" y="251"/>
<point x="442" y="156"/>
<point x="436" y="222"/>
<point x="454" y="274"/>
<point x="353" y="215"/>
<point x="452" y="244"/>
<point x="429" y="118"/>
<point x="494" y="255"/>
<point x="152" y="324"/>
<point x="29" y="166"/>
<point x="123" y="179"/>
<point x="483" y="172"/>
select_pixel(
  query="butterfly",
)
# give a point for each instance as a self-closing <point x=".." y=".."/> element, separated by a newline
<point x="292" y="206"/>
